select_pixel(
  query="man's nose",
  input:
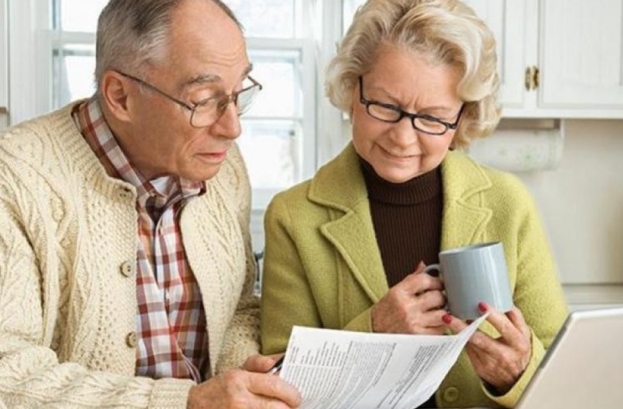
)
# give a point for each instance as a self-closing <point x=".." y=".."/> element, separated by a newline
<point x="228" y="124"/>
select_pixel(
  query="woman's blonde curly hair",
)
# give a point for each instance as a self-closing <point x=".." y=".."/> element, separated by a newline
<point x="447" y="32"/>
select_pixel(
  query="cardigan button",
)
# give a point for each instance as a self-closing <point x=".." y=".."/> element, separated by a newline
<point x="128" y="269"/>
<point x="125" y="193"/>
<point x="451" y="394"/>
<point x="131" y="340"/>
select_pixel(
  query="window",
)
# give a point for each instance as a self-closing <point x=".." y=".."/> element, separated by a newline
<point x="278" y="139"/>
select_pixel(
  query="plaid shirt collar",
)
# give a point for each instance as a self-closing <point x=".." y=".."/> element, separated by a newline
<point x="92" y="125"/>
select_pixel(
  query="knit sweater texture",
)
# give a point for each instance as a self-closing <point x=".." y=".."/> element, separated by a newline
<point x="407" y="220"/>
<point x="68" y="307"/>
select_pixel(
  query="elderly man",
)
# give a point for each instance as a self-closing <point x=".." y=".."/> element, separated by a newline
<point x="126" y="272"/>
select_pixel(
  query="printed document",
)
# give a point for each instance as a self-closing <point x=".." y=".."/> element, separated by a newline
<point x="336" y="369"/>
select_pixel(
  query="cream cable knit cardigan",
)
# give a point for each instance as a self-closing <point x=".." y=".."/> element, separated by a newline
<point x="67" y="274"/>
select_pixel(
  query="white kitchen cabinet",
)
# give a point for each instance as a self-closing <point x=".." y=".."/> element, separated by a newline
<point x="582" y="53"/>
<point x="506" y="20"/>
<point x="558" y="58"/>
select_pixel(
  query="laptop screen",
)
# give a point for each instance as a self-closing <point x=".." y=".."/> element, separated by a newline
<point x="583" y="368"/>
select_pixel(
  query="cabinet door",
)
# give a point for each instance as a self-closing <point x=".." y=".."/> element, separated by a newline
<point x="507" y="19"/>
<point x="581" y="53"/>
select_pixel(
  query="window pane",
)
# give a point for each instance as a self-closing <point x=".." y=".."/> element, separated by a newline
<point x="350" y="7"/>
<point x="281" y="92"/>
<point x="73" y="73"/>
<point x="267" y="18"/>
<point x="272" y="152"/>
<point x="79" y="15"/>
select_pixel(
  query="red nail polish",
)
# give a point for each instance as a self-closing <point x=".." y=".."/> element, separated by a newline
<point x="447" y="318"/>
<point x="482" y="306"/>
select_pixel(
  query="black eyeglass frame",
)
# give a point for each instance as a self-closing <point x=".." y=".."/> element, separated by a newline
<point x="402" y="114"/>
<point x="221" y="103"/>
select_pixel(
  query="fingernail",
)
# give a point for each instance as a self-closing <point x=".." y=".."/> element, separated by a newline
<point x="447" y="318"/>
<point x="482" y="306"/>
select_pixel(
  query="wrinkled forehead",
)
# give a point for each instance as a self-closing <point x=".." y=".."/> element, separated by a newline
<point x="205" y="44"/>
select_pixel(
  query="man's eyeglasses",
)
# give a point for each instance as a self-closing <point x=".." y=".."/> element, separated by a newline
<point x="393" y="114"/>
<point x="206" y="112"/>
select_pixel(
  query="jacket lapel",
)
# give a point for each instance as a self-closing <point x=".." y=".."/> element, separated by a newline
<point x="464" y="214"/>
<point x="341" y="188"/>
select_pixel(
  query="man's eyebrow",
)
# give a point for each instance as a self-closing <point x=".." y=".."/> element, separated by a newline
<point x="202" y="79"/>
<point x="211" y="78"/>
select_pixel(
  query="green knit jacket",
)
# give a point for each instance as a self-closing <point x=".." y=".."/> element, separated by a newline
<point x="323" y="268"/>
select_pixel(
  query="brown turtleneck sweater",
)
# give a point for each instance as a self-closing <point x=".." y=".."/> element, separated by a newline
<point x="407" y="223"/>
<point x="407" y="220"/>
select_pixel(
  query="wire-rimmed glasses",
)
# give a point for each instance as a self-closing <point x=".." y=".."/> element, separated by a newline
<point x="207" y="111"/>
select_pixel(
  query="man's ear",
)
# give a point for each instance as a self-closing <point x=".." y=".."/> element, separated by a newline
<point x="114" y="90"/>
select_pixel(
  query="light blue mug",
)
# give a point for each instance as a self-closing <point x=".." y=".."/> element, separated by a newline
<point x="473" y="274"/>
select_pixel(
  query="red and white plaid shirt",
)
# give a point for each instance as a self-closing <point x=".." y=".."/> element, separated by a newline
<point x="171" y="322"/>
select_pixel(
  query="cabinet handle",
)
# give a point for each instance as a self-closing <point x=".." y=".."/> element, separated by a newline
<point x="529" y="78"/>
<point x="536" y="79"/>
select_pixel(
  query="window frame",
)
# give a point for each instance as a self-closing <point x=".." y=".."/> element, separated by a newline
<point x="28" y="64"/>
<point x="262" y="196"/>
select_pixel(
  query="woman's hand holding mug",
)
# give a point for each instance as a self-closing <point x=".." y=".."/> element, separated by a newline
<point x="413" y="306"/>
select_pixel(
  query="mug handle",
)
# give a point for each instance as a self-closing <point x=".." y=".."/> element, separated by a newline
<point x="434" y="267"/>
<point x="436" y="271"/>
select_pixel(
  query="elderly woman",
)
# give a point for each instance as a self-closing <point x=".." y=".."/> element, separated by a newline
<point x="345" y="250"/>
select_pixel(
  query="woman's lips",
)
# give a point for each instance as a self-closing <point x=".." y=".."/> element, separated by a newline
<point x="397" y="156"/>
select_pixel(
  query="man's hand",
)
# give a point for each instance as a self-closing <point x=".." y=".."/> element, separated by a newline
<point x="248" y="388"/>
<point x="261" y="363"/>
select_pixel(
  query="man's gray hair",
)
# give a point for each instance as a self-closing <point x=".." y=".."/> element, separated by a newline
<point x="132" y="34"/>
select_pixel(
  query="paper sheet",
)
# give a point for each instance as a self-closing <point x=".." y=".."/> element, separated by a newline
<point x="336" y="369"/>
